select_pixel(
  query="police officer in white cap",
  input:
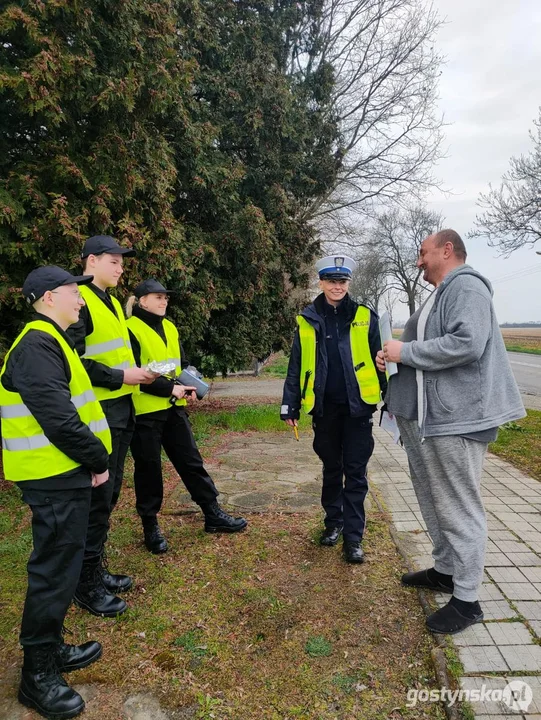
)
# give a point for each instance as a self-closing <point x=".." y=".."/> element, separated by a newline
<point x="333" y="377"/>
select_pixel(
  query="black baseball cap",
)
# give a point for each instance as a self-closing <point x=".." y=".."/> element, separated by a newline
<point x="149" y="286"/>
<point x="99" y="244"/>
<point x="49" y="278"/>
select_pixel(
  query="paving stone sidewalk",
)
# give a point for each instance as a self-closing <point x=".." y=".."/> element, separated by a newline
<point x="506" y="647"/>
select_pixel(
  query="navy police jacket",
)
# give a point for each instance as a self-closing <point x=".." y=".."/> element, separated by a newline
<point x="324" y="384"/>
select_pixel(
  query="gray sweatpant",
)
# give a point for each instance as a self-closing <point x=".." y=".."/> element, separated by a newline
<point x="446" y="475"/>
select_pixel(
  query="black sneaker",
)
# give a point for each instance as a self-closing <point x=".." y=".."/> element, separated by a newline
<point x="429" y="579"/>
<point x="454" y="617"/>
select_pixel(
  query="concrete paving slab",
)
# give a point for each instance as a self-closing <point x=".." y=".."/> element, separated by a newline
<point x="535" y="626"/>
<point x="506" y="575"/>
<point x="474" y="635"/>
<point x="513" y="633"/>
<point x="484" y="708"/>
<point x="522" y="657"/>
<point x="144" y="706"/>
<point x="489" y="591"/>
<point x="531" y="610"/>
<point x="524" y="559"/>
<point x="520" y="591"/>
<point x="498" y="559"/>
<point x="511" y="547"/>
<point x="532" y="573"/>
<point x="482" y="658"/>
<point x="498" y="610"/>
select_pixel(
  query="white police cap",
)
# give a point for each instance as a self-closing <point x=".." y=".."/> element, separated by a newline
<point x="335" y="267"/>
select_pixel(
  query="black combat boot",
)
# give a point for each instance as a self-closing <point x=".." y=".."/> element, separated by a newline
<point x="154" y="540"/>
<point x="217" y="520"/>
<point x="113" y="583"/>
<point x="92" y="595"/>
<point x="330" y="536"/>
<point x="42" y="687"/>
<point x="75" y="657"/>
<point x="353" y="552"/>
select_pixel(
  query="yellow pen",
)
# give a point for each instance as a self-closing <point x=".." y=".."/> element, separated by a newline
<point x="295" y="430"/>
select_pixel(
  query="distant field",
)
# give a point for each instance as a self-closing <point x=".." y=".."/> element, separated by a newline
<point x="527" y="340"/>
<point x="523" y="339"/>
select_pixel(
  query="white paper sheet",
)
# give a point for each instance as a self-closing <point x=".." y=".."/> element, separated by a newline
<point x="387" y="334"/>
<point x="388" y="423"/>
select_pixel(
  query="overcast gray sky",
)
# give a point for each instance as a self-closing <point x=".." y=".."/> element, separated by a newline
<point x="490" y="91"/>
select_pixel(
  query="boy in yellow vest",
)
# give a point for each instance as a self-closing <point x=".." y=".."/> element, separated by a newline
<point x="162" y="424"/>
<point x="56" y="445"/>
<point x="101" y="338"/>
<point x="333" y="377"/>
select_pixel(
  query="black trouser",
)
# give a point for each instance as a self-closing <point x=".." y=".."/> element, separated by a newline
<point x="174" y="433"/>
<point x="105" y="496"/>
<point x="59" y="524"/>
<point x="344" y="444"/>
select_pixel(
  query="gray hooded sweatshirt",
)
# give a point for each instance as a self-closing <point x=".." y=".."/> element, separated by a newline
<point x="468" y="384"/>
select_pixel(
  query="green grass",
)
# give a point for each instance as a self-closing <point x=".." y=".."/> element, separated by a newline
<point x="520" y="443"/>
<point x="454" y="666"/>
<point x="318" y="646"/>
<point x="522" y="349"/>
<point x="277" y="367"/>
<point x="244" y="418"/>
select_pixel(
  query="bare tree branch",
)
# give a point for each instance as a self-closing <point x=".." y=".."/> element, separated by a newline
<point x="386" y="70"/>
<point x="512" y="217"/>
<point x="387" y="252"/>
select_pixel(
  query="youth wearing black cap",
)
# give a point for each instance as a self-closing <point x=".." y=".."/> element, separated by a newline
<point x="162" y="424"/>
<point x="101" y="338"/>
<point x="332" y="376"/>
<point x="56" y="448"/>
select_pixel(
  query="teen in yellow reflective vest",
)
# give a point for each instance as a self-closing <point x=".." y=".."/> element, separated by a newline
<point x="102" y="340"/>
<point x="162" y="421"/>
<point x="332" y="376"/>
<point x="27" y="452"/>
<point x="155" y="347"/>
<point x="56" y="446"/>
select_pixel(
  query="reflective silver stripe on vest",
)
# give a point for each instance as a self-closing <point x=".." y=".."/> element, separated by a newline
<point x="122" y="366"/>
<point x="98" y="425"/>
<point x="83" y="398"/>
<point x="35" y="442"/>
<point x="20" y="410"/>
<point x="27" y="443"/>
<point x="100" y="348"/>
<point x="14" y="411"/>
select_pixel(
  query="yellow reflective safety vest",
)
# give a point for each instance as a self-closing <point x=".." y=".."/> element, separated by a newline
<point x="27" y="453"/>
<point x="363" y="365"/>
<point x="154" y="348"/>
<point x="109" y="341"/>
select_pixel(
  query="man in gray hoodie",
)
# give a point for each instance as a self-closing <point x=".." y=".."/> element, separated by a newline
<point x="453" y="389"/>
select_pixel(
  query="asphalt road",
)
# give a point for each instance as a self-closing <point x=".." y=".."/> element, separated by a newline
<point x="527" y="371"/>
